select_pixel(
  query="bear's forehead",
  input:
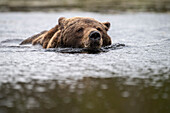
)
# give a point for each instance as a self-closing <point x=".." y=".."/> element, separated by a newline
<point x="83" y="19"/>
<point x="83" y="22"/>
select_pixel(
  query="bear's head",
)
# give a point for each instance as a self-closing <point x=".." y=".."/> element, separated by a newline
<point x="83" y="32"/>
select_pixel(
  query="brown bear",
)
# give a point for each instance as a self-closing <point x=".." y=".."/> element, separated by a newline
<point x="75" y="32"/>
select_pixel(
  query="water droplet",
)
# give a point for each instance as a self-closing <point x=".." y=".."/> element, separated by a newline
<point x="31" y="103"/>
<point x="125" y="94"/>
<point x="104" y="86"/>
<point x="40" y="89"/>
<point x="29" y="86"/>
<point x="17" y="86"/>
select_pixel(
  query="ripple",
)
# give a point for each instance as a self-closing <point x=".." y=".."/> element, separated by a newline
<point x="82" y="50"/>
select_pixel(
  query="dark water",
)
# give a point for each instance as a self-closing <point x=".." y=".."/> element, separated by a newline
<point x="130" y="79"/>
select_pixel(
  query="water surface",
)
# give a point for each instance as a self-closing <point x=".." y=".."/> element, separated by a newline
<point x="134" y="78"/>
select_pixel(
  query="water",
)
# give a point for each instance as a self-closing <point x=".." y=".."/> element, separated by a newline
<point x="128" y="79"/>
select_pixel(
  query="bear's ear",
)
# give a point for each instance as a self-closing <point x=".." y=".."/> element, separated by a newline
<point x="61" y="21"/>
<point x="107" y="25"/>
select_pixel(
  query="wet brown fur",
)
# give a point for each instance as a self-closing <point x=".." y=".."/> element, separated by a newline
<point x="72" y="32"/>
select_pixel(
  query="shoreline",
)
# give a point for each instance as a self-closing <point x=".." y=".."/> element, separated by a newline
<point x="108" y="6"/>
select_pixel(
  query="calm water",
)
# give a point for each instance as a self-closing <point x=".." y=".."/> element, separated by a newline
<point x="130" y="79"/>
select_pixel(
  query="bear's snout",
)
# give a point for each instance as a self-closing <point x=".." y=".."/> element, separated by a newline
<point x="94" y="35"/>
<point x="94" y="40"/>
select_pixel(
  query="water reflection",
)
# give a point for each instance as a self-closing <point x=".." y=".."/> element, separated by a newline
<point x="97" y="95"/>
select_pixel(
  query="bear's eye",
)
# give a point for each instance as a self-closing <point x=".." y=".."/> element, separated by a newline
<point x="99" y="29"/>
<point x="80" y="29"/>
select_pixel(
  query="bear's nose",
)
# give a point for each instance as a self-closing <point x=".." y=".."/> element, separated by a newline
<point x="95" y="35"/>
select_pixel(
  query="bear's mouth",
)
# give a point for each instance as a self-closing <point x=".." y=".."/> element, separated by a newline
<point x="92" y="45"/>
